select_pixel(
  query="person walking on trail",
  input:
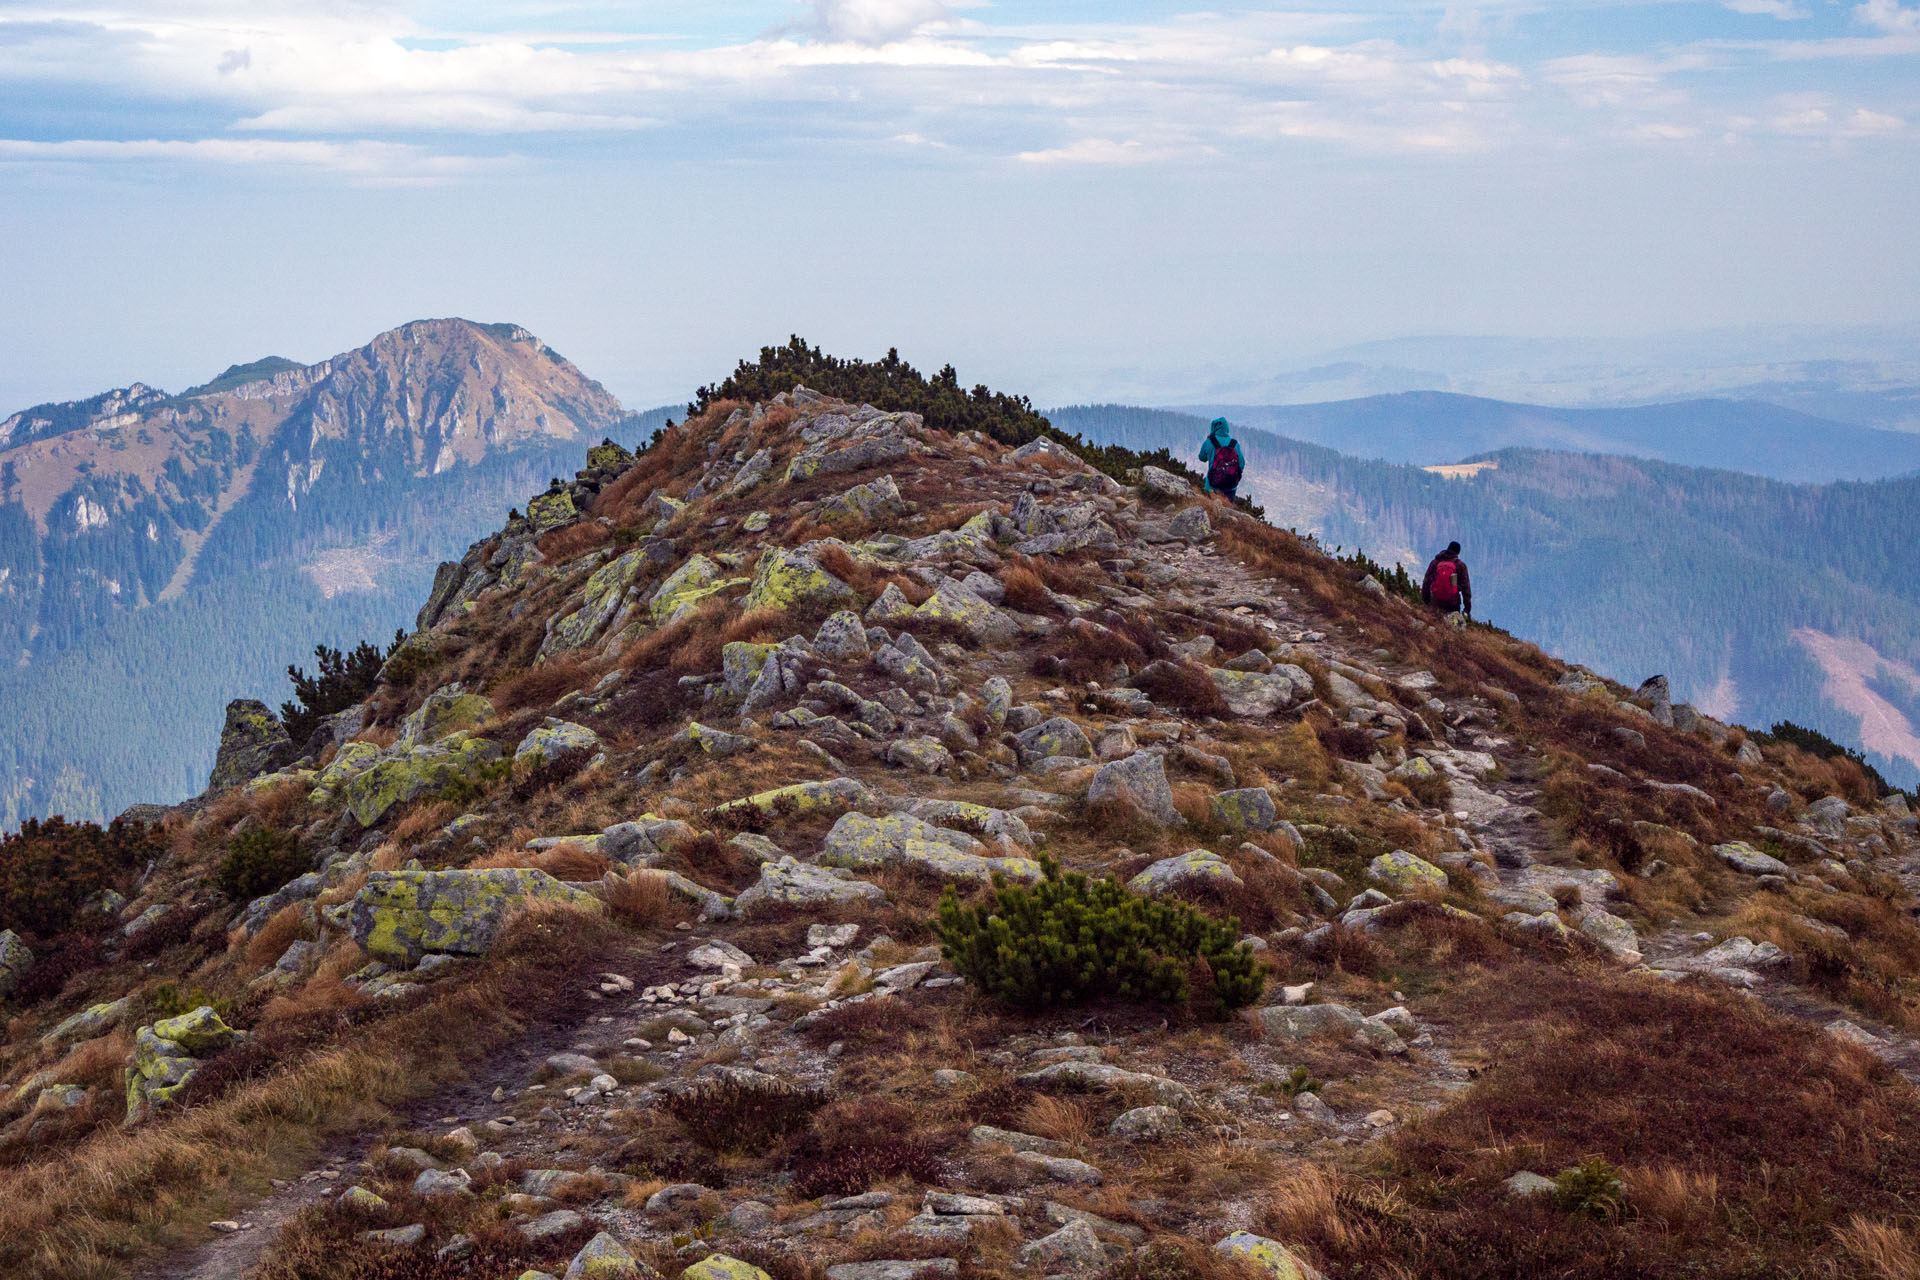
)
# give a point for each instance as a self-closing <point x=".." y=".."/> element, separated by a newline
<point x="1446" y="586"/>
<point x="1225" y="460"/>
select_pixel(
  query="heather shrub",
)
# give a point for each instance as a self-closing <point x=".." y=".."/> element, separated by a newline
<point x="51" y="870"/>
<point x="1069" y="938"/>
<point x="738" y="1116"/>
<point x="259" y="861"/>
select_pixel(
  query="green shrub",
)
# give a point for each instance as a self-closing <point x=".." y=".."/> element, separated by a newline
<point x="51" y="870"/>
<point x="340" y="680"/>
<point x="1592" y="1187"/>
<point x="258" y="862"/>
<point x="1068" y="938"/>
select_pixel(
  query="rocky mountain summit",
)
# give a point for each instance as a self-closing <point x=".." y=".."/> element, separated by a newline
<point x="830" y="845"/>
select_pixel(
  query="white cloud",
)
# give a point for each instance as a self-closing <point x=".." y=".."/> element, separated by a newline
<point x="1890" y="16"/>
<point x="1785" y="10"/>
<point x="876" y="22"/>
<point x="382" y="163"/>
<point x="1098" y="151"/>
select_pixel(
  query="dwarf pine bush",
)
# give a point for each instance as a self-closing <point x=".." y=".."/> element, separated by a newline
<point x="1069" y="938"/>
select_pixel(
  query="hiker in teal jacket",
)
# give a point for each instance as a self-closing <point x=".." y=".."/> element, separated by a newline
<point x="1225" y="460"/>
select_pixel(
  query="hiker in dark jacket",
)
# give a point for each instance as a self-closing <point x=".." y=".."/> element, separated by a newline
<point x="1224" y="458"/>
<point x="1446" y="586"/>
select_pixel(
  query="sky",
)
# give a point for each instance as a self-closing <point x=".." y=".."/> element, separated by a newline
<point x="1054" y="197"/>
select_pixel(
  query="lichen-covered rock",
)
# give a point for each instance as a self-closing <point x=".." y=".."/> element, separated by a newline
<point x="978" y="819"/>
<point x="891" y="608"/>
<point x="710" y="741"/>
<point x="1612" y="933"/>
<point x="603" y="604"/>
<point x="952" y="605"/>
<point x="1749" y="861"/>
<point x="800" y="797"/>
<point x="719" y="1266"/>
<point x="996" y="697"/>
<point x="1191" y="525"/>
<point x="398" y="777"/>
<point x="1247" y="809"/>
<point x="842" y="635"/>
<point x="1072" y="1250"/>
<point x="94" y="1020"/>
<point x="789" y="882"/>
<point x="349" y="762"/>
<point x="605" y="1258"/>
<point x="875" y="500"/>
<point x="1253" y="694"/>
<point x="1146" y="1124"/>
<point x="1197" y="868"/>
<point x="553" y="743"/>
<point x="741" y="662"/>
<point x="447" y="710"/>
<point x="1058" y="736"/>
<point x="166" y="1054"/>
<point x="1139" y="782"/>
<point x="400" y="916"/>
<point x="1163" y="485"/>
<point x="1269" y="1255"/>
<point x="644" y="838"/>
<point x="15" y="960"/>
<point x="1407" y="874"/>
<point x="1303" y="1022"/>
<point x="1104" y="1075"/>
<point x="252" y="741"/>
<point x="751" y="474"/>
<point x="921" y="754"/>
<point x="686" y="587"/>
<point x="793" y="579"/>
<point x="862" y="842"/>
<point x="552" y="509"/>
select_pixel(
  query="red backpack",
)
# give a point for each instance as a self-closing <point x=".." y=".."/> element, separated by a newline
<point x="1446" y="581"/>
<point x="1224" y="471"/>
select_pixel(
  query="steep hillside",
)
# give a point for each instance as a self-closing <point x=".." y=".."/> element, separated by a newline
<point x="834" y="844"/>
<point x="325" y="493"/>
<point x="1426" y="427"/>
<point x="1728" y="579"/>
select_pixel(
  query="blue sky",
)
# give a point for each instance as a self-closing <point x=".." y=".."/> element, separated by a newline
<point x="1056" y="197"/>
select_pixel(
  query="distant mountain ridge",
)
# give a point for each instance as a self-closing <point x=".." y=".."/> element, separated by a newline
<point x="129" y="520"/>
<point x="1427" y="427"/>
<point x="1761" y="600"/>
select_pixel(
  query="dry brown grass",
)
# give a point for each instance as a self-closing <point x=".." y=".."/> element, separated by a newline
<point x="641" y="898"/>
<point x="422" y="820"/>
<point x="1025" y="590"/>
<point x="1061" y="1119"/>
<point x="570" y="542"/>
<point x="83" y="1214"/>
<point x="1881" y="1251"/>
<point x="570" y="861"/>
<point x="542" y="686"/>
<point x="280" y="931"/>
<point x="1680" y="1200"/>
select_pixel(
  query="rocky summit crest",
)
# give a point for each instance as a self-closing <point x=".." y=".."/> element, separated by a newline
<point x="831" y="842"/>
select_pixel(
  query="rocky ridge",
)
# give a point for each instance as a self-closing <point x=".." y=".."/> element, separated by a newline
<point x="761" y="694"/>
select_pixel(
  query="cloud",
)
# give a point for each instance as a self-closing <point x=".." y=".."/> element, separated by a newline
<point x="1094" y="151"/>
<point x="1889" y="16"/>
<point x="1785" y="10"/>
<point x="381" y="163"/>
<point x="876" y="22"/>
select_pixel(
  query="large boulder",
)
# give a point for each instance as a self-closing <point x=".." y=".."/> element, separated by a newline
<point x="252" y="742"/>
<point x="1407" y="874"/>
<point x="686" y="587"/>
<point x="1197" y="868"/>
<point x="603" y="605"/>
<point x="1139" y="783"/>
<point x="166" y="1055"/>
<point x="557" y="742"/>
<point x="15" y="960"/>
<point x="399" y="776"/>
<point x="1656" y="699"/>
<point x="400" y="916"/>
<point x="952" y="605"/>
<point x="447" y="710"/>
<point x="788" y="882"/>
<point x="1747" y="860"/>
<point x="1058" y="736"/>
<point x="798" y="798"/>
<point x="793" y="579"/>
<point x="1253" y="694"/>
<point x="1307" y="1021"/>
<point x="1247" y="809"/>
<point x="1269" y="1255"/>
<point x="898" y="839"/>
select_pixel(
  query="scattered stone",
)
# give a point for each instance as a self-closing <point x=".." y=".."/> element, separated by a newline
<point x="1073" y="1249"/>
<point x="1138" y="783"/>
<point x="1146" y="1124"/>
<point x="1525" y="1185"/>
<point x="1196" y="867"/>
<point x="1269" y="1255"/>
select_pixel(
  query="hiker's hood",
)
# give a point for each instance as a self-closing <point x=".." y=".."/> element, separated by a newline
<point x="1221" y="431"/>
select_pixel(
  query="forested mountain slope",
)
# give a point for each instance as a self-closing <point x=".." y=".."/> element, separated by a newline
<point x="155" y="548"/>
<point x="1741" y="589"/>
<point x="1426" y="427"/>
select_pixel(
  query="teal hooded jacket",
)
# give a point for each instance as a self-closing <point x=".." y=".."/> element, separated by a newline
<point x="1220" y="434"/>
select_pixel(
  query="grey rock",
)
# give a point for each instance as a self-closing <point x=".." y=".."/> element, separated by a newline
<point x="549" y="1225"/>
<point x="1146" y="1124"/>
<point x="1060" y="1168"/>
<point x="1747" y="860"/>
<point x="1139" y="782"/>
<point x="1072" y="1250"/>
<point x="1096" y="1075"/>
<point x="896" y="1269"/>
<point x="1302" y="1022"/>
<point x="1525" y="1185"/>
<point x="398" y="1237"/>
